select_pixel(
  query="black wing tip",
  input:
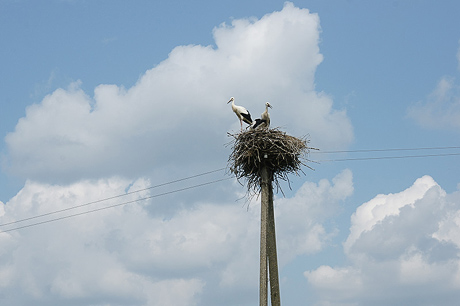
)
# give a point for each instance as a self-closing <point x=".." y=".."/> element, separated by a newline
<point x="258" y="122"/>
<point x="247" y="118"/>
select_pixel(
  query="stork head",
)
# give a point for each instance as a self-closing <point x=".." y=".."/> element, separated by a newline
<point x="268" y="105"/>
<point x="231" y="100"/>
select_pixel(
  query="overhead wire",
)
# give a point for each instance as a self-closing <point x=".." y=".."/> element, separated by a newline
<point x="111" y="198"/>
<point x="385" y="150"/>
<point x="114" y="205"/>
<point x="386" y="157"/>
<point x="211" y="182"/>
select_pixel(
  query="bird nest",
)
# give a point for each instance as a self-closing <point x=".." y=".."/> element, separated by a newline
<point x="280" y="153"/>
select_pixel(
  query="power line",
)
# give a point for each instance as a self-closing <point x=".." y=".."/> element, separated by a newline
<point x="111" y="198"/>
<point x="116" y="205"/>
<point x="386" y="157"/>
<point x="220" y="169"/>
<point x="384" y="150"/>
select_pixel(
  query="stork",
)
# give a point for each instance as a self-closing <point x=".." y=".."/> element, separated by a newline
<point x="264" y="118"/>
<point x="241" y="112"/>
<point x="256" y="123"/>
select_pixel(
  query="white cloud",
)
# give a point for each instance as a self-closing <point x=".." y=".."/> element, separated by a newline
<point x="343" y="283"/>
<point x="304" y="235"/>
<point x="449" y="229"/>
<point x="372" y="213"/>
<point x="175" y="116"/>
<point x="2" y="209"/>
<point x="136" y="254"/>
<point x="123" y="254"/>
<point x="403" y="248"/>
<point x="74" y="148"/>
<point x="441" y="110"/>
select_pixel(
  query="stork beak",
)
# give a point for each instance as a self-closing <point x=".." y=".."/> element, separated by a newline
<point x="269" y="105"/>
<point x="229" y="101"/>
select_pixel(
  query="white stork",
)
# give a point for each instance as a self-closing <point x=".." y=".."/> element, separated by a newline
<point x="241" y="112"/>
<point x="264" y="118"/>
<point x="256" y="123"/>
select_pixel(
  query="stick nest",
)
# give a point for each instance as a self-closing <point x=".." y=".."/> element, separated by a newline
<point x="254" y="149"/>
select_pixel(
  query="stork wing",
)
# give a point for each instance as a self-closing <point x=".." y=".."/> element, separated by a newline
<point x="247" y="117"/>
<point x="257" y="123"/>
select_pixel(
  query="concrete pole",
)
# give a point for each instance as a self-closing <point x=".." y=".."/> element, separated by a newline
<point x="268" y="242"/>
<point x="271" y="252"/>
<point x="265" y="185"/>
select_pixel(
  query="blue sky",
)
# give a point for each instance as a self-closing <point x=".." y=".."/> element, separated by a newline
<point x="103" y="98"/>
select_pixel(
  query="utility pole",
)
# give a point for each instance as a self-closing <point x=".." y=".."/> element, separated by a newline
<point x="272" y="256"/>
<point x="268" y="242"/>
<point x="262" y="157"/>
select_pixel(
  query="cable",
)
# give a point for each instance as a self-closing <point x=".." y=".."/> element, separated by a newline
<point x="386" y="157"/>
<point x="220" y="169"/>
<point x="385" y="150"/>
<point x="111" y="198"/>
<point x="116" y="205"/>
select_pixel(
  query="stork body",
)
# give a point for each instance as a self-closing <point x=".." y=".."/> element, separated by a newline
<point x="265" y="116"/>
<point x="257" y="123"/>
<point x="264" y="120"/>
<point x="241" y="112"/>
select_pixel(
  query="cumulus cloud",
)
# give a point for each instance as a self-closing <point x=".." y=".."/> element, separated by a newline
<point x="76" y="147"/>
<point x="401" y="247"/>
<point x="77" y="260"/>
<point x="302" y="234"/>
<point x="176" y="115"/>
<point x="441" y="110"/>
<point x="134" y="254"/>
<point x="372" y="213"/>
<point x="342" y="283"/>
<point x="123" y="255"/>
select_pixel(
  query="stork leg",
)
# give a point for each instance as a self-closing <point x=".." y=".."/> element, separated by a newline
<point x="241" y="123"/>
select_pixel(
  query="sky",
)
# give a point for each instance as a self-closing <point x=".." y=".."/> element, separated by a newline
<point x="114" y="123"/>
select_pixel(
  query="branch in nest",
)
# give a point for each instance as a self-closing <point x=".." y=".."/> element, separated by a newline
<point x="254" y="149"/>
